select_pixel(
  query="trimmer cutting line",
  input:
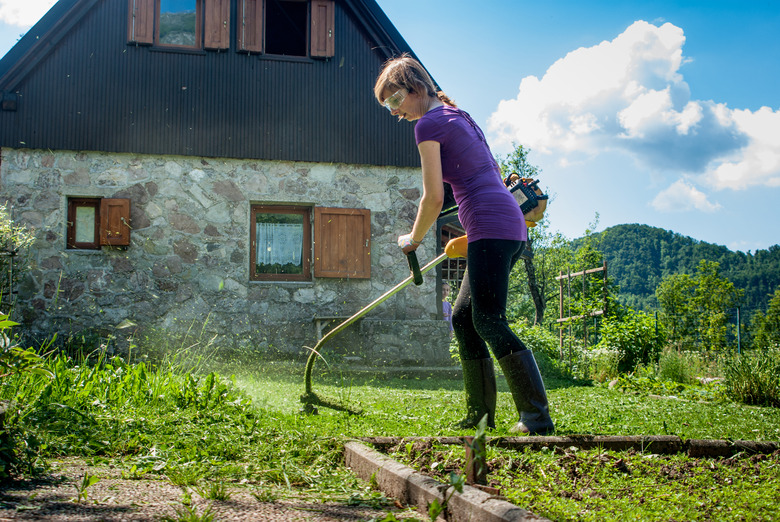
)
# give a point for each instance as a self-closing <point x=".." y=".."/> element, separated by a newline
<point x="529" y="199"/>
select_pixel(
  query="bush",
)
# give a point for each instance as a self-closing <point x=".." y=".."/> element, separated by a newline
<point x="14" y="239"/>
<point x="635" y="335"/>
<point x="753" y="377"/>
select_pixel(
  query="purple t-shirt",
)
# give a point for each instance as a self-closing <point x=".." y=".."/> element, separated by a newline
<point x="486" y="208"/>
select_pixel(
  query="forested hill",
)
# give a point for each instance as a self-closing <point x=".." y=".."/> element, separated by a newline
<point x="639" y="256"/>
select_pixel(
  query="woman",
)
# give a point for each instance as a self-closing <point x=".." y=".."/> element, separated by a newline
<point x="453" y="149"/>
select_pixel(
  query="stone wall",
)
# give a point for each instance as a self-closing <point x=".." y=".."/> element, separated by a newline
<point x="187" y="268"/>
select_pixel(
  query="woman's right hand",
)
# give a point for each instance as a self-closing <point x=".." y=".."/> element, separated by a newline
<point x="407" y="243"/>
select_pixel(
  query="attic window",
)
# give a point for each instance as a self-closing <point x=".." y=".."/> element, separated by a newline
<point x="286" y="26"/>
<point x="178" y="23"/>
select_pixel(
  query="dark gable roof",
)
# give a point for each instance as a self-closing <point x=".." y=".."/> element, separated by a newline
<point x="80" y="86"/>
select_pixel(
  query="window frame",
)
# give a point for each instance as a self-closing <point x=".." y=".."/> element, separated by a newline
<point x="73" y="205"/>
<point x="112" y="222"/>
<point x="305" y="211"/>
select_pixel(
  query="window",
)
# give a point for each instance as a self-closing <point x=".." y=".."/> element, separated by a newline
<point x="452" y="270"/>
<point x="185" y="24"/>
<point x="96" y="222"/>
<point x="286" y="24"/>
<point x="281" y="243"/>
<point x="177" y="23"/>
<point x="278" y="27"/>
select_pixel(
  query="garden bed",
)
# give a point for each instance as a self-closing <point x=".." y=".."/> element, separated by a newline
<point x="614" y="478"/>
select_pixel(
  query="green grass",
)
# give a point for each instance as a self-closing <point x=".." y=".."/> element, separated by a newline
<point x="431" y="406"/>
<point x="197" y="428"/>
<point x="597" y="485"/>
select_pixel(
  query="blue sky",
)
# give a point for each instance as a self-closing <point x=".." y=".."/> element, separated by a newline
<point x="655" y="112"/>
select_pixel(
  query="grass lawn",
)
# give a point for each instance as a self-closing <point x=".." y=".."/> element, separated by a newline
<point x="247" y="431"/>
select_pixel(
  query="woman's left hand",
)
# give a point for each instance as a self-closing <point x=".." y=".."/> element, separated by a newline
<point x="407" y="243"/>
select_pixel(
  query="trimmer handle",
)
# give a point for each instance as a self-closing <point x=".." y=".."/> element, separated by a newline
<point x="414" y="267"/>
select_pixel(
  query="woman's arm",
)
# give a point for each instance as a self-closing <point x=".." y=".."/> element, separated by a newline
<point x="433" y="192"/>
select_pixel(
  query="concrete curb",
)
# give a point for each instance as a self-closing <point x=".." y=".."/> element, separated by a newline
<point x="413" y="488"/>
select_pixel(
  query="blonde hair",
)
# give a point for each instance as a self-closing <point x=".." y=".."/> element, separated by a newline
<point x="407" y="73"/>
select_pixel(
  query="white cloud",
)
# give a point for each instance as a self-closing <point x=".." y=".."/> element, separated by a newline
<point x="628" y="95"/>
<point x="681" y="196"/>
<point x="23" y="13"/>
<point x="759" y="162"/>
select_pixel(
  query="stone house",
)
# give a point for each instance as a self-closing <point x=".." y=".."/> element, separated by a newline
<point x="218" y="168"/>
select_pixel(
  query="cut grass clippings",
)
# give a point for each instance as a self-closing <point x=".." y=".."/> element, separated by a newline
<point x="599" y="485"/>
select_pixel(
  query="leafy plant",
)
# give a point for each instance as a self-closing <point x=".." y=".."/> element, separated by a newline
<point x="14" y="359"/>
<point x="456" y="483"/>
<point x="14" y="240"/>
<point x="635" y="335"/>
<point x="86" y="482"/>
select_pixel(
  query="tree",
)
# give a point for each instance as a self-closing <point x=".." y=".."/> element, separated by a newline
<point x="695" y="308"/>
<point x="766" y="327"/>
<point x="675" y="296"/>
<point x="551" y="251"/>
<point x="713" y="298"/>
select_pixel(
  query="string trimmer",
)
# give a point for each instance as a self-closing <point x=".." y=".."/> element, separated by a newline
<point x="310" y="399"/>
<point x="530" y="198"/>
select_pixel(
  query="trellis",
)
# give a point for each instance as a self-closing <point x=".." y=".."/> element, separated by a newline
<point x="568" y="320"/>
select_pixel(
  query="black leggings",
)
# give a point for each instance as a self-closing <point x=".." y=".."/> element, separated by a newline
<point x="479" y="314"/>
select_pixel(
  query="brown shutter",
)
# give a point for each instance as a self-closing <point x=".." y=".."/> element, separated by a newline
<point x="217" y="24"/>
<point x="342" y="242"/>
<point x="140" y="21"/>
<point x="250" y="26"/>
<point x="323" y="21"/>
<point x="115" y="221"/>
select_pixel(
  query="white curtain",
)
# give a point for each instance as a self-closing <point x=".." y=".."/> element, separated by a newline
<point x="279" y="243"/>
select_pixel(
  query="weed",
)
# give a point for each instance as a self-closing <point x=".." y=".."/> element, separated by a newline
<point x="754" y="377"/>
<point x="265" y="495"/>
<point x="188" y="474"/>
<point x="214" y="491"/>
<point x="190" y="514"/>
<point x="86" y="482"/>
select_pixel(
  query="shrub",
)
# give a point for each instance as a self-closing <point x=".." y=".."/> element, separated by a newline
<point x="635" y="335"/>
<point x="14" y="239"/>
<point x="753" y="377"/>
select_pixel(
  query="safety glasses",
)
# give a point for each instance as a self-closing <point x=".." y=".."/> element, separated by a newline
<point x="394" y="102"/>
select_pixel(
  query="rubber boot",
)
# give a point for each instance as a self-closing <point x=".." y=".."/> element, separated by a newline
<point x="525" y="384"/>
<point x="479" y="381"/>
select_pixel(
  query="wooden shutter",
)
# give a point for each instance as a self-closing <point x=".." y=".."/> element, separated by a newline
<point x="323" y="21"/>
<point x="140" y="22"/>
<point x="342" y="242"/>
<point x="115" y="221"/>
<point x="250" y="26"/>
<point x="217" y="24"/>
